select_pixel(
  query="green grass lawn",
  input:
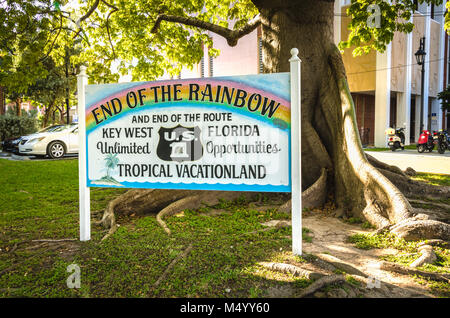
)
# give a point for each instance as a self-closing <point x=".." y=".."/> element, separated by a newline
<point x="433" y="178"/>
<point x="39" y="200"/>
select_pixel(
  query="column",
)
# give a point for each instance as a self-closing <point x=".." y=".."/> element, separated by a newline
<point x="404" y="99"/>
<point x="382" y="96"/>
<point x="425" y="93"/>
<point x="442" y="64"/>
<point x="417" y="127"/>
<point x="337" y="21"/>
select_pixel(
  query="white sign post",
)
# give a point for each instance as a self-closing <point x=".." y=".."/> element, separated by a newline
<point x="296" y="176"/>
<point x="84" y="191"/>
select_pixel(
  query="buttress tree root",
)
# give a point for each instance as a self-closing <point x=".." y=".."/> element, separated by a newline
<point x="165" y="203"/>
<point x="382" y="203"/>
<point x="332" y="156"/>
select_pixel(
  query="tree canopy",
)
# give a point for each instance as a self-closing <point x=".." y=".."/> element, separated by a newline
<point x="148" y="38"/>
<point x="126" y="30"/>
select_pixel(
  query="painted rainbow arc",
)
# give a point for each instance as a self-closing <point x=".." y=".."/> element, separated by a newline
<point x="98" y="95"/>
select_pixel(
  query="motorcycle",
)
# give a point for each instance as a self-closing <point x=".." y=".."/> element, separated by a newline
<point x="426" y="141"/>
<point x="443" y="142"/>
<point x="396" y="138"/>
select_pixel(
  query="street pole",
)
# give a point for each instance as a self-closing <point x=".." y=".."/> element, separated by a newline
<point x="422" y="89"/>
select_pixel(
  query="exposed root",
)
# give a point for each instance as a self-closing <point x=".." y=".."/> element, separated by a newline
<point x="14" y="248"/>
<point x="414" y="230"/>
<point x="177" y="206"/>
<point x="312" y="197"/>
<point x="171" y="265"/>
<point x="427" y="256"/>
<point x="438" y="205"/>
<point x="374" y="213"/>
<point x="340" y="264"/>
<point x="407" y="185"/>
<point x="381" y="165"/>
<point x="393" y="267"/>
<point x="439" y="243"/>
<point x="111" y="231"/>
<point x="55" y="241"/>
<point x="316" y="194"/>
<point x="320" y="283"/>
<point x="164" y="203"/>
<point x="412" y="187"/>
<point x="291" y="269"/>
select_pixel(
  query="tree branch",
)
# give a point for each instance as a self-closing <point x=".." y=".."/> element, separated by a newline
<point x="232" y="36"/>
<point x="90" y="11"/>
<point x="54" y="40"/>
<point x="114" y="9"/>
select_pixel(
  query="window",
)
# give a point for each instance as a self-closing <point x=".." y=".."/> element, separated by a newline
<point x="202" y="67"/>
<point x="260" y="59"/>
<point x="211" y="70"/>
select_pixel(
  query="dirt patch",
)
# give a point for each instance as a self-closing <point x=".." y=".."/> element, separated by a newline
<point x="329" y="243"/>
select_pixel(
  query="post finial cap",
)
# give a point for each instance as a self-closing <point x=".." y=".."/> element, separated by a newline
<point x="83" y="70"/>
<point x="294" y="57"/>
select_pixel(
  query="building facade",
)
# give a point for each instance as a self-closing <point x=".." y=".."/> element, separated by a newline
<point x="386" y="87"/>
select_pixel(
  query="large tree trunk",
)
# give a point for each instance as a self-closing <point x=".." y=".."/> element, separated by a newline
<point x="330" y="139"/>
<point x="47" y="112"/>
<point x="18" y="101"/>
<point x="2" y="101"/>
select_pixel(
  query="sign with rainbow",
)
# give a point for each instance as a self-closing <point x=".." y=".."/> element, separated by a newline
<point x="218" y="133"/>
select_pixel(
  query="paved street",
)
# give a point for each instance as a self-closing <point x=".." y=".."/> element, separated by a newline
<point x="421" y="162"/>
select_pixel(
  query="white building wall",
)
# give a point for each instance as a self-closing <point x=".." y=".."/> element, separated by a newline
<point x="382" y="96"/>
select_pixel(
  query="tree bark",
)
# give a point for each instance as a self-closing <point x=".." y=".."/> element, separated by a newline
<point x="18" y="101"/>
<point x="330" y="139"/>
<point x="2" y="101"/>
<point x="47" y="112"/>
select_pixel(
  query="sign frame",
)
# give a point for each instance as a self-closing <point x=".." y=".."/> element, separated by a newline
<point x="295" y="154"/>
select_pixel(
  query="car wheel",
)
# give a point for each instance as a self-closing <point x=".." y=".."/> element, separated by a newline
<point x="56" y="150"/>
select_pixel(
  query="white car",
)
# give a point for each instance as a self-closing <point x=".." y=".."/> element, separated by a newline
<point x="54" y="142"/>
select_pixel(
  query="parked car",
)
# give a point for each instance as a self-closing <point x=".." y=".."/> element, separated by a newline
<point x="55" y="142"/>
<point x="46" y="129"/>
<point x="11" y="145"/>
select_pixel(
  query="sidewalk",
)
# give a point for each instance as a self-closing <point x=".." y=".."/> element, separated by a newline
<point x="421" y="162"/>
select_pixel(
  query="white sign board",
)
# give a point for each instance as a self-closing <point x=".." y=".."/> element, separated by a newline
<point x="228" y="133"/>
<point x="237" y="133"/>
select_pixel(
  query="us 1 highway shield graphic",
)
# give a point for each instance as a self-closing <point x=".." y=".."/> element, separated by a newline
<point x="179" y="144"/>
